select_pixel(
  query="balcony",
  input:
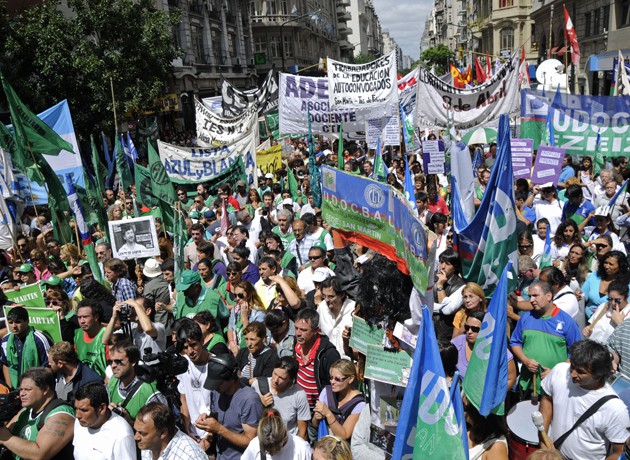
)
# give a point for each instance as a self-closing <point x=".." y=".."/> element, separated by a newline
<point x="343" y="3"/>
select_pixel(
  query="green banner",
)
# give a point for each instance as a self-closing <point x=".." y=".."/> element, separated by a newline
<point x="363" y="335"/>
<point x="43" y="319"/>
<point x="27" y="296"/>
<point x="386" y="366"/>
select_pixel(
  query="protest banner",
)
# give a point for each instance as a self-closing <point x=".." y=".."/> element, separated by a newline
<point x="366" y="211"/>
<point x="433" y="156"/>
<point x="359" y="86"/>
<point x="363" y="335"/>
<point x="522" y="154"/>
<point x="43" y="319"/>
<point x="443" y="104"/>
<point x="261" y="100"/>
<point x="28" y="296"/>
<point x="387" y="366"/>
<point x="407" y="100"/>
<point x="134" y="238"/>
<point x="577" y="120"/>
<point x="301" y="95"/>
<point x="387" y="128"/>
<point x="548" y="164"/>
<point x="270" y="160"/>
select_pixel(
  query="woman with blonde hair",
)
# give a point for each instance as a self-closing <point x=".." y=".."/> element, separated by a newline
<point x="70" y="254"/>
<point x="273" y="441"/>
<point x="331" y="448"/>
<point x="474" y="300"/>
<point x="68" y="323"/>
<point x="115" y="212"/>
<point x="289" y="296"/>
<point x="340" y="403"/>
<point x="248" y="308"/>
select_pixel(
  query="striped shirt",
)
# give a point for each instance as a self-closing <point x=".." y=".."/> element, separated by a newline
<point x="306" y="372"/>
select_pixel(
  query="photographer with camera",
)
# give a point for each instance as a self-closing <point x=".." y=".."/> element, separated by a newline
<point x="133" y="317"/>
<point x="236" y="405"/>
<point x="45" y="427"/>
<point x="127" y="392"/>
<point x="100" y="434"/>
<point x="194" y="397"/>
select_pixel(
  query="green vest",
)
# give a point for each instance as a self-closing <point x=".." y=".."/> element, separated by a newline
<point x="286" y="239"/>
<point x="213" y="302"/>
<point x="26" y="428"/>
<point x="93" y="353"/>
<point x="216" y="339"/>
<point x="138" y="400"/>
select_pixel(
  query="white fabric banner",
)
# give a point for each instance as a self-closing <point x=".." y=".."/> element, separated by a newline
<point x="468" y="108"/>
<point x="364" y="86"/>
<point x="220" y="142"/>
<point x="301" y="95"/>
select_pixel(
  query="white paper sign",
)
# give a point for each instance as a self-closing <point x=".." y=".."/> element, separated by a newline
<point x="134" y="238"/>
<point x="387" y="128"/>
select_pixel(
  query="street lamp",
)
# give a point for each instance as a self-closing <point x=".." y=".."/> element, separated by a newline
<point x="312" y="13"/>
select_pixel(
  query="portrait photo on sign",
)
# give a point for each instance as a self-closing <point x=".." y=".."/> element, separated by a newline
<point x="134" y="238"/>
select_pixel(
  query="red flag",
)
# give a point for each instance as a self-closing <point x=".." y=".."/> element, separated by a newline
<point x="458" y="81"/>
<point x="571" y="37"/>
<point x="479" y="72"/>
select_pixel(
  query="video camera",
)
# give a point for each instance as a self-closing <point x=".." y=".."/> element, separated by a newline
<point x="163" y="368"/>
<point x="10" y="405"/>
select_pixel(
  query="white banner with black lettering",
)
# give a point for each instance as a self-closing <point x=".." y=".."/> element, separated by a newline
<point x="264" y="99"/>
<point x="468" y="108"/>
<point x="363" y="86"/>
<point x="214" y="130"/>
<point x="301" y="95"/>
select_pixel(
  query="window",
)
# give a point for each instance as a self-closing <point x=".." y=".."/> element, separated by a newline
<point x="196" y="34"/>
<point x="624" y="17"/>
<point x="288" y="46"/>
<point x="274" y="46"/>
<point x="507" y="38"/>
<point x="596" y="21"/>
<point x="233" y="45"/>
<point x="260" y="44"/>
<point x="605" y="18"/>
<point x="587" y="24"/>
<point x="505" y="3"/>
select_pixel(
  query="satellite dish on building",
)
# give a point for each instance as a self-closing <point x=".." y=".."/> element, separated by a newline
<point x="549" y="75"/>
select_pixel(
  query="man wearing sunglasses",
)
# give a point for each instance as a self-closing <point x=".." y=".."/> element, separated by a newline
<point x="23" y="348"/>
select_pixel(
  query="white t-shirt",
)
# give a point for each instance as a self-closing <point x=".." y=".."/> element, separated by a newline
<point x="112" y="441"/>
<point x="296" y="448"/>
<point x="566" y="301"/>
<point x="591" y="439"/>
<point x="305" y="279"/>
<point x="604" y="328"/>
<point x="197" y="397"/>
<point x="552" y="211"/>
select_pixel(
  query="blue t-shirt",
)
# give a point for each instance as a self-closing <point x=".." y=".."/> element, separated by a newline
<point x="243" y="407"/>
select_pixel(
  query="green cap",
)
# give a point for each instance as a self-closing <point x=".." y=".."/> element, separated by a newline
<point x="53" y="281"/>
<point x="189" y="278"/>
<point x="320" y="245"/>
<point x="25" y="268"/>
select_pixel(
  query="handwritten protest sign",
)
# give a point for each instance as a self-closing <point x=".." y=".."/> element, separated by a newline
<point x="522" y="153"/>
<point x="433" y="157"/>
<point x="387" y="128"/>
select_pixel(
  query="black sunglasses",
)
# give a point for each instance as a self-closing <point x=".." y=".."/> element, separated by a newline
<point x="240" y="295"/>
<point x="475" y="329"/>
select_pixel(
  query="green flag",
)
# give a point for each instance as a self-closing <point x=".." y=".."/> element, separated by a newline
<point x="180" y="238"/>
<point x="340" y="162"/>
<point x="160" y="182"/>
<point x="293" y="185"/>
<point x="100" y="170"/>
<point x="7" y="142"/>
<point x="599" y="158"/>
<point x="124" y="175"/>
<point x="93" y="261"/>
<point x="39" y="137"/>
<point x="379" y="173"/>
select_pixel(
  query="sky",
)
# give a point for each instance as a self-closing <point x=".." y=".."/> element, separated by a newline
<point x="404" y="19"/>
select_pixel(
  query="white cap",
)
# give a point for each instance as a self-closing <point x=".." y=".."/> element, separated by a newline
<point x="151" y="268"/>
<point x="320" y="274"/>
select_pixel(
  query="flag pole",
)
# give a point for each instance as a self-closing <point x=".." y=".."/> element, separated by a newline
<point x="550" y="33"/>
<point x="111" y="85"/>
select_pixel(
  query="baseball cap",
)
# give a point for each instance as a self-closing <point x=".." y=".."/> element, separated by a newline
<point x="151" y="268"/>
<point x="25" y="268"/>
<point x="287" y="201"/>
<point x="52" y="281"/>
<point x="320" y="245"/>
<point x="547" y="185"/>
<point x="268" y="176"/>
<point x="320" y="274"/>
<point x="220" y="369"/>
<point x="188" y="278"/>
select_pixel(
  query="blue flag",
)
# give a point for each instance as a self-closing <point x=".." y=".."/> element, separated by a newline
<point x="428" y="426"/>
<point x="485" y="384"/>
<point x="458" y="407"/>
<point x="313" y="169"/>
<point x="621" y="189"/>
<point x="111" y="164"/>
<point x="132" y="148"/>
<point x="409" y="187"/>
<point x="477" y="160"/>
<point x="545" y="260"/>
<point x="128" y="156"/>
<point x="487" y="243"/>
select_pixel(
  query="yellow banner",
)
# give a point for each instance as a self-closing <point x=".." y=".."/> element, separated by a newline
<point x="270" y="160"/>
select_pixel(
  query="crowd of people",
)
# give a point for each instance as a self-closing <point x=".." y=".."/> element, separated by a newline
<point x="259" y="322"/>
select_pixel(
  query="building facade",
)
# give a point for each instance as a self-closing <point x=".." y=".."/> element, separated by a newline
<point x="365" y="29"/>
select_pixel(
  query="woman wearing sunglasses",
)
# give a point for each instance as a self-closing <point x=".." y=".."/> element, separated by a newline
<point x="340" y="403"/>
<point x="59" y="302"/>
<point x="248" y="308"/>
<point x="474" y="299"/>
<point x="466" y="342"/>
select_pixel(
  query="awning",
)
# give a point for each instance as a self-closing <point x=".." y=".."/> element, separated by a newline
<point x="604" y="61"/>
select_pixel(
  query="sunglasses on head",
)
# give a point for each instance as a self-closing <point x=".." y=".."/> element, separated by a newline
<point x="475" y="329"/>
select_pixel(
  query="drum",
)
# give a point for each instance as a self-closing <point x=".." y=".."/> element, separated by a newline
<point x="523" y="438"/>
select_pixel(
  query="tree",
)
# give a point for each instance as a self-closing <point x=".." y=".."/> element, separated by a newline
<point x="48" y="56"/>
<point x="363" y="58"/>
<point x="437" y="57"/>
